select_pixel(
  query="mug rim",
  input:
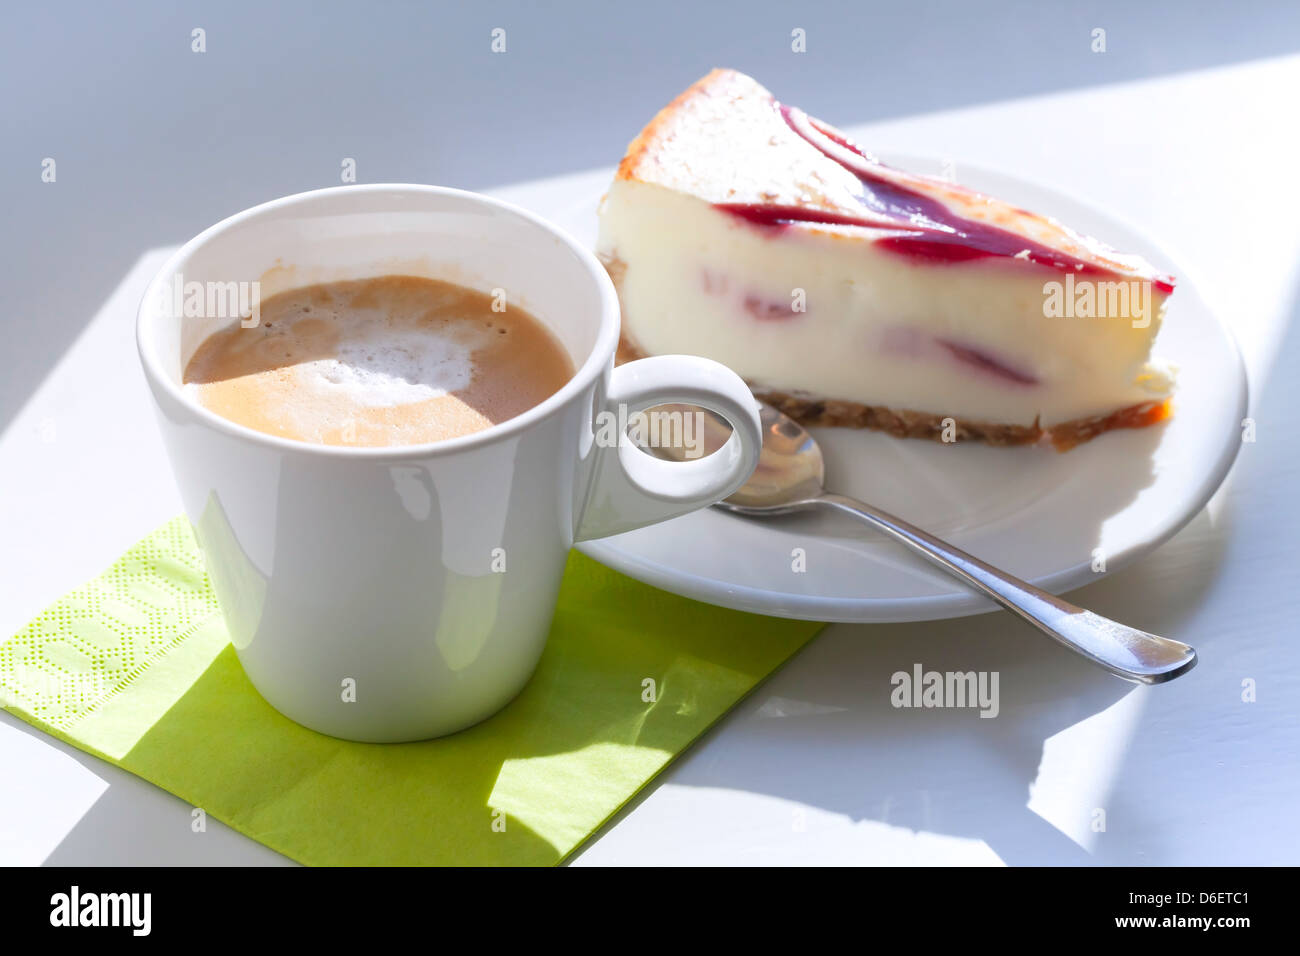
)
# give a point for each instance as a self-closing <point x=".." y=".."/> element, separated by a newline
<point x="601" y="353"/>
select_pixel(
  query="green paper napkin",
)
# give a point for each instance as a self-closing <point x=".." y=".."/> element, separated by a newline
<point x="136" y="667"/>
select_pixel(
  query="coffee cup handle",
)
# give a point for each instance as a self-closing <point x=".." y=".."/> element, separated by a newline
<point x="629" y="488"/>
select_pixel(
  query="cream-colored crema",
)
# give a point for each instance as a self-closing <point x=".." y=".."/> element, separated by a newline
<point x="395" y="360"/>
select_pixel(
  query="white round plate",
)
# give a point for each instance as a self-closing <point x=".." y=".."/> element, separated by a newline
<point x="1042" y="515"/>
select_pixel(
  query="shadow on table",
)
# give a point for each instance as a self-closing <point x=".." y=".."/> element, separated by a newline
<point x="134" y="823"/>
<point x="833" y="740"/>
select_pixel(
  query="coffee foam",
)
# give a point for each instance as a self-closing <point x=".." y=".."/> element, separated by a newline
<point x="380" y="367"/>
<point x="394" y="360"/>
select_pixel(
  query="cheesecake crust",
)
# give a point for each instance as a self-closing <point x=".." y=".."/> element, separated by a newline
<point x="904" y="423"/>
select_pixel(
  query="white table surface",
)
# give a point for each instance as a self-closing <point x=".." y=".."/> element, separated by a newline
<point x="817" y="767"/>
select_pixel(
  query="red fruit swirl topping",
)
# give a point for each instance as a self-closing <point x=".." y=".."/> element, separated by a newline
<point x="925" y="228"/>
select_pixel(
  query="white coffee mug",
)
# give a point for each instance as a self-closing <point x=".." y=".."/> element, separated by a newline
<point x="390" y="594"/>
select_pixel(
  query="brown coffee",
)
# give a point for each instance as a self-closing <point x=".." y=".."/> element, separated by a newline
<point x="396" y="360"/>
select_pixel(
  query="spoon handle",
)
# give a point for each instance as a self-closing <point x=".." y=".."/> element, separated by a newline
<point x="1132" y="654"/>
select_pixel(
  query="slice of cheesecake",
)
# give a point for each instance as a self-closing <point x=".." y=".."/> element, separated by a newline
<point x="847" y="292"/>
